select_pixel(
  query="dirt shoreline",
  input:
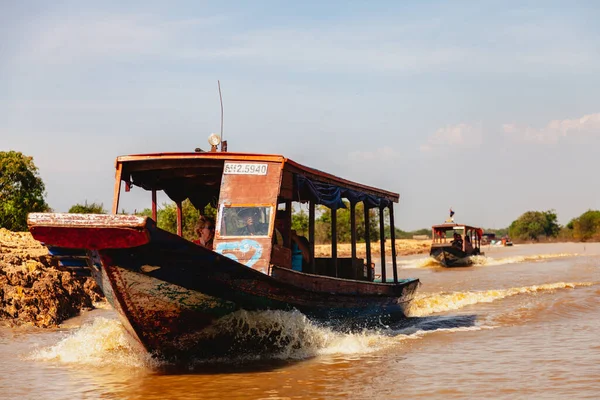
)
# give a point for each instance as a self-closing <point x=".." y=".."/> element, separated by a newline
<point x="33" y="290"/>
<point x="404" y="247"/>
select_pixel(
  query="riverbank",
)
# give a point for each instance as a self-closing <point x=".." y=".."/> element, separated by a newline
<point x="404" y="247"/>
<point x="33" y="290"/>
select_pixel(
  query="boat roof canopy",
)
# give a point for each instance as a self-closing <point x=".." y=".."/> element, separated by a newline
<point x="451" y="226"/>
<point x="197" y="176"/>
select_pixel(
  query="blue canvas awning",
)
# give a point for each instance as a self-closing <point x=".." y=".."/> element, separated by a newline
<point x="331" y="195"/>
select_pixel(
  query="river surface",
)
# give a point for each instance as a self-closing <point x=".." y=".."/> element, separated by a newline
<point x="522" y="323"/>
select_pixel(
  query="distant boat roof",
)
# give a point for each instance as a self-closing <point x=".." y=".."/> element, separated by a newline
<point x="450" y="225"/>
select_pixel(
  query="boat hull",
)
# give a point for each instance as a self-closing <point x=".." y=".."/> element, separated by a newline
<point x="450" y="256"/>
<point x="170" y="292"/>
<point x="172" y="315"/>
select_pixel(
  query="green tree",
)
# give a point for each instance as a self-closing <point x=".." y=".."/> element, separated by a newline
<point x="533" y="225"/>
<point x="587" y="225"/>
<point x="21" y="190"/>
<point x="323" y="224"/>
<point x="87" y="208"/>
<point x="167" y="217"/>
<point x="300" y="223"/>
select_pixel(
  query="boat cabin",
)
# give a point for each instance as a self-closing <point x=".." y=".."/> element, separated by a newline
<point x="466" y="238"/>
<point x="264" y="188"/>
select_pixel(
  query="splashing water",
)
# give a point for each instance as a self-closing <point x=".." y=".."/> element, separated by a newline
<point x="426" y="304"/>
<point x="100" y="343"/>
<point x="290" y="335"/>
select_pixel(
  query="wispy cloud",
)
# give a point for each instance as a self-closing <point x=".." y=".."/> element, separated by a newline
<point x="453" y="137"/>
<point x="555" y="130"/>
<point x="378" y="44"/>
<point x="112" y="36"/>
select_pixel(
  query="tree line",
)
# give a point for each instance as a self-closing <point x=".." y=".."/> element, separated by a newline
<point x="22" y="191"/>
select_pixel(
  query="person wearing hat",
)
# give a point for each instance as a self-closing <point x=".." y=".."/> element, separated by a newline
<point x="457" y="242"/>
<point x="252" y="225"/>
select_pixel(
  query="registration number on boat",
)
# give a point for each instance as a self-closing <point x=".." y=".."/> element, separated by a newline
<point x="245" y="169"/>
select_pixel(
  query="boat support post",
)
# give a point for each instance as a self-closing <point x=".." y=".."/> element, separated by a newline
<point x="382" y="243"/>
<point x="311" y="233"/>
<point x="179" y="219"/>
<point x="393" y="238"/>
<point x="334" y="240"/>
<point x="117" y="191"/>
<point x="154" y="212"/>
<point x="368" y="242"/>
<point x="353" y="229"/>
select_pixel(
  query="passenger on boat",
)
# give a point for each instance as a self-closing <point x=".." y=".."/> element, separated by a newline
<point x="468" y="245"/>
<point x="440" y="235"/>
<point x="279" y="227"/>
<point x="301" y="256"/>
<point x="252" y="223"/>
<point x="457" y="242"/>
<point x="300" y="251"/>
<point x="205" y="229"/>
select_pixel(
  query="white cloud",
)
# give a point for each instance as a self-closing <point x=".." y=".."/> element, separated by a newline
<point x="381" y="154"/>
<point x="377" y="44"/>
<point x="454" y="136"/>
<point x="555" y="130"/>
<point x="108" y="36"/>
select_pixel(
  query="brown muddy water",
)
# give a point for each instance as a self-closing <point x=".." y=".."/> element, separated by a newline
<point x="522" y="323"/>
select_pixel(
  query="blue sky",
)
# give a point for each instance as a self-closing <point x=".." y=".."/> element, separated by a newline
<point x="491" y="107"/>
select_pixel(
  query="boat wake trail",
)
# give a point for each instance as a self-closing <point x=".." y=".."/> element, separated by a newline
<point x="256" y="336"/>
<point x="489" y="261"/>
<point x="426" y="304"/>
<point x="480" y="261"/>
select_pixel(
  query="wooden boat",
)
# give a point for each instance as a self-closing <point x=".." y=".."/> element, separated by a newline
<point x="169" y="291"/>
<point x="454" y="244"/>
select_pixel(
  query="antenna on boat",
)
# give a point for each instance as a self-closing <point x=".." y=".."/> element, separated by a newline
<point x="214" y="140"/>
<point x="223" y="142"/>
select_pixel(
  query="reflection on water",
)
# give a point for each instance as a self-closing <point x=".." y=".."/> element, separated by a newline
<point x="523" y="327"/>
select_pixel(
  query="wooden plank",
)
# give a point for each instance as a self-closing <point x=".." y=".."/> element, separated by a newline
<point x="117" y="189"/>
<point x="88" y="231"/>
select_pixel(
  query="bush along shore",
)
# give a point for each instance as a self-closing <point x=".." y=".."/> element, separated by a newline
<point x="33" y="289"/>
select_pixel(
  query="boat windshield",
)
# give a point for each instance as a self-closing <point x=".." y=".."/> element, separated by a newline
<point x="245" y="221"/>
